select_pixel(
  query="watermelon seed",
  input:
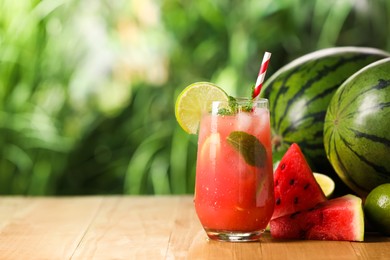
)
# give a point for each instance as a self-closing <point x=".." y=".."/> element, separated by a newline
<point x="292" y="182"/>
<point x="276" y="182"/>
<point x="306" y="186"/>
<point x="296" y="200"/>
<point x="277" y="201"/>
<point x="302" y="234"/>
<point x="292" y="216"/>
<point x="283" y="166"/>
<point x="321" y="217"/>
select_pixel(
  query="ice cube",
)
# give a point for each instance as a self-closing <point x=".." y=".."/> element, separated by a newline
<point x="244" y="121"/>
<point x="261" y="120"/>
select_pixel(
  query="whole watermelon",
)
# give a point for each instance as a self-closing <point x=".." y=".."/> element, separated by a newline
<point x="357" y="128"/>
<point x="299" y="94"/>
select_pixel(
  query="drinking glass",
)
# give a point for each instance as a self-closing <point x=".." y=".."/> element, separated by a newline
<point x="234" y="195"/>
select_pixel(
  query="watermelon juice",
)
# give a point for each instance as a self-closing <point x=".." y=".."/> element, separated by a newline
<point x="234" y="195"/>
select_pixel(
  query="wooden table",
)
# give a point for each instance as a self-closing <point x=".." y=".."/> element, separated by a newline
<point x="124" y="227"/>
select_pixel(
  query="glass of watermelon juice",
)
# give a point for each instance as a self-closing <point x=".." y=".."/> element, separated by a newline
<point x="234" y="195"/>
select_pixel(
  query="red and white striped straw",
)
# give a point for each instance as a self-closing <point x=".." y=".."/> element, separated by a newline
<point x="261" y="76"/>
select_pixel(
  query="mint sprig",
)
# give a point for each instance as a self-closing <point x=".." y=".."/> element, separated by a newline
<point x="249" y="147"/>
<point x="234" y="107"/>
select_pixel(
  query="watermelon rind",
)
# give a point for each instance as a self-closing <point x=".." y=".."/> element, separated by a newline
<point x="299" y="94"/>
<point x="356" y="128"/>
<point x="358" y="219"/>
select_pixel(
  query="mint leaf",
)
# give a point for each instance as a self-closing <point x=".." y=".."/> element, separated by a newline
<point x="234" y="107"/>
<point x="249" y="147"/>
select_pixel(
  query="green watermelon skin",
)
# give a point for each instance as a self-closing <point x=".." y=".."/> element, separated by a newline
<point x="295" y="186"/>
<point x="299" y="94"/>
<point x="339" y="219"/>
<point x="357" y="128"/>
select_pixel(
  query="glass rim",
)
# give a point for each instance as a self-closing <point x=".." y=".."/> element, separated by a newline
<point x="225" y="107"/>
<point x="240" y="100"/>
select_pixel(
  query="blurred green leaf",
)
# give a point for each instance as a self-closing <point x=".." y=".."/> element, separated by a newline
<point x="87" y="88"/>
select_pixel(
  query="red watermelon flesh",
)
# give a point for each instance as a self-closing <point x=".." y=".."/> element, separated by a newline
<point x="336" y="219"/>
<point x="294" y="184"/>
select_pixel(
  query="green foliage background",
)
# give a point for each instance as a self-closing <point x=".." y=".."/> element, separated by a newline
<point x="87" y="88"/>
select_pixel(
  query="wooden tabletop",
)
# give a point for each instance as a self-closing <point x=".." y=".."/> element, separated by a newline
<point x="124" y="227"/>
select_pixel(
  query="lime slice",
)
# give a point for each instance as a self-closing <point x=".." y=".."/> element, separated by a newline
<point x="193" y="101"/>
<point x="211" y="146"/>
<point x="326" y="183"/>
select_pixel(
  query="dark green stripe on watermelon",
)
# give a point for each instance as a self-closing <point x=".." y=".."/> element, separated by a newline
<point x="300" y="92"/>
<point x="356" y="128"/>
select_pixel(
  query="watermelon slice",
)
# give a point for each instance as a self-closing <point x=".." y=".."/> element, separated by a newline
<point x="294" y="184"/>
<point x="337" y="219"/>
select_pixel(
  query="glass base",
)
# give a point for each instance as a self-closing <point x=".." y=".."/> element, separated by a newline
<point x="234" y="236"/>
